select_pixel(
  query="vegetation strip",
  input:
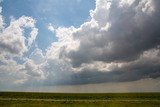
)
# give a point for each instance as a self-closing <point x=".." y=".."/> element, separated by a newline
<point x="14" y="99"/>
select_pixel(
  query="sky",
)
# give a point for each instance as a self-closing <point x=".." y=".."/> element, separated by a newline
<point x="80" y="45"/>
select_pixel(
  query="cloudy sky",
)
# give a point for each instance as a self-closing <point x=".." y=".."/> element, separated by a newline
<point x="80" y="45"/>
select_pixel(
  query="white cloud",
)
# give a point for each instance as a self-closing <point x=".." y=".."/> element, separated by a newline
<point x="37" y="56"/>
<point x="1" y="18"/>
<point x="51" y="28"/>
<point x="14" y="42"/>
<point x="11" y="72"/>
<point x="102" y="6"/>
<point x="12" y="38"/>
<point x="1" y="23"/>
<point x="64" y="44"/>
<point x="126" y="2"/>
<point x="33" y="69"/>
<point x="32" y="37"/>
<point x="147" y="6"/>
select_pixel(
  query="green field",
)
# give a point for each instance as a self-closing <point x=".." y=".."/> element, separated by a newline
<point x="20" y="99"/>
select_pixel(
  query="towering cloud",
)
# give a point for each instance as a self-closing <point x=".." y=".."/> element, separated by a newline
<point x="120" y="43"/>
<point x="117" y="32"/>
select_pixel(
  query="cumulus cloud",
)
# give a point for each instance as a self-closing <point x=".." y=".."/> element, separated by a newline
<point x="32" y="36"/>
<point x="12" y="38"/>
<point x="112" y="45"/>
<point x="124" y="40"/>
<point x="37" y="56"/>
<point x="32" y="69"/>
<point x="51" y="28"/>
<point x="65" y="43"/>
<point x="14" y="42"/>
<point x="10" y="72"/>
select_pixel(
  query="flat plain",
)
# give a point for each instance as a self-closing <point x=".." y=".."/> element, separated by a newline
<point x="29" y="99"/>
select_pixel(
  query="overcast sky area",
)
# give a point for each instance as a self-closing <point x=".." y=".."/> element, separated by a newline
<point x="80" y="45"/>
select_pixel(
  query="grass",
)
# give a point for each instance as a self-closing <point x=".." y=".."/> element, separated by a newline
<point x="19" y="99"/>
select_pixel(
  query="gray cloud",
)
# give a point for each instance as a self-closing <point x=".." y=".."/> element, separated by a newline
<point x="122" y="34"/>
<point x="147" y="66"/>
<point x="132" y="31"/>
<point x="60" y="73"/>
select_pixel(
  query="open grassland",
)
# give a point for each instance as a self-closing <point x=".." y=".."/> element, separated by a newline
<point x="19" y="99"/>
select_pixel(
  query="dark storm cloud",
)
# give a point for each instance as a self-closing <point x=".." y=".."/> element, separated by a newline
<point x="119" y="32"/>
<point x="145" y="68"/>
<point x="133" y="30"/>
<point x="93" y="76"/>
<point x="88" y="77"/>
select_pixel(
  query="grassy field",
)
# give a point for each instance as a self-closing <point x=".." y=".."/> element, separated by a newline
<point x="19" y="99"/>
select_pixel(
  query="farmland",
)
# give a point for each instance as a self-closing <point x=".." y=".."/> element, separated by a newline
<point x="28" y="99"/>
